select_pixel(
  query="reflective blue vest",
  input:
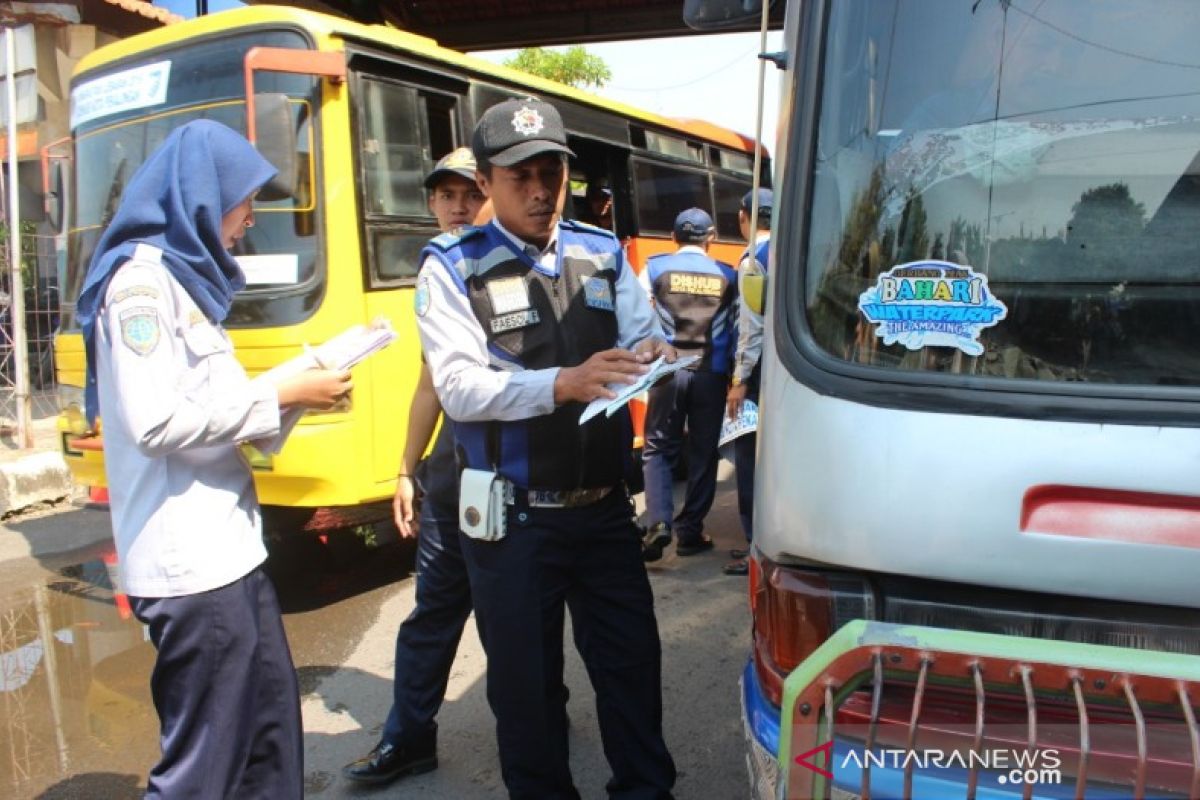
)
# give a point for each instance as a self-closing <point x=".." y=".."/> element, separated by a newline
<point x="534" y="319"/>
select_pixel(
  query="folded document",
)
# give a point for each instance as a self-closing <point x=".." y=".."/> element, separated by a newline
<point x="659" y="369"/>
<point x="341" y="352"/>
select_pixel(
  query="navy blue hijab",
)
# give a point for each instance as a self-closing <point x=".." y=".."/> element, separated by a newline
<point x="175" y="202"/>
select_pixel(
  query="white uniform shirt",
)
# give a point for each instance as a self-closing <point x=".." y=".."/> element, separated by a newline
<point x="455" y="344"/>
<point x="174" y="403"/>
<point x="750" y="324"/>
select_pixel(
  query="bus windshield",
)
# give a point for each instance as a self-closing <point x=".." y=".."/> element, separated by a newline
<point x="1045" y="154"/>
<point x="280" y="254"/>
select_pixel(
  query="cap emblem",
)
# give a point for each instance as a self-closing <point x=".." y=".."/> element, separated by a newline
<point x="527" y="121"/>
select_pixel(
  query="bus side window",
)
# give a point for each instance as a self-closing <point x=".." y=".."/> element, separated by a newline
<point x="394" y="150"/>
<point x="403" y="130"/>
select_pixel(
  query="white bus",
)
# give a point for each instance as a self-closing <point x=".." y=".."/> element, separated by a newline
<point x="976" y="564"/>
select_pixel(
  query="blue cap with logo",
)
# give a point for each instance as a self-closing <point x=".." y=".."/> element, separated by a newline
<point x="693" y="225"/>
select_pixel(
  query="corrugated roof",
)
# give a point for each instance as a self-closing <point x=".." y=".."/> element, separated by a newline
<point x="146" y="10"/>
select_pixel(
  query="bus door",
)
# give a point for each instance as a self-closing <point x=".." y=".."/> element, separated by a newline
<point x="405" y="120"/>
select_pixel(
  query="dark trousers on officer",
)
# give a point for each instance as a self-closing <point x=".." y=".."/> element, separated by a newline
<point x="428" y="639"/>
<point x="743" y="459"/>
<point x="226" y="694"/>
<point x="589" y="558"/>
<point x="695" y="399"/>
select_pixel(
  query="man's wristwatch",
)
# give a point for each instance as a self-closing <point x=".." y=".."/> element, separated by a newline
<point x="735" y="381"/>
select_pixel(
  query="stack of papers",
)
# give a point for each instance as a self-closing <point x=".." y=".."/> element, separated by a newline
<point x="659" y="369"/>
<point x="341" y="352"/>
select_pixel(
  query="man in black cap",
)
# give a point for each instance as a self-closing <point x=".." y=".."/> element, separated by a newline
<point x="695" y="297"/>
<point x="523" y="322"/>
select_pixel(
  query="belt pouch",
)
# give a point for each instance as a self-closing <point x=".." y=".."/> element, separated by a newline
<point x="481" y="509"/>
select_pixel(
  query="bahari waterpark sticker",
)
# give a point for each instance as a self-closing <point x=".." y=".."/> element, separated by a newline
<point x="932" y="304"/>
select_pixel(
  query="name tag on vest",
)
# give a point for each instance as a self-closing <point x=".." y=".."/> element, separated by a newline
<point x="508" y="294"/>
<point x="597" y="293"/>
<point x="515" y="320"/>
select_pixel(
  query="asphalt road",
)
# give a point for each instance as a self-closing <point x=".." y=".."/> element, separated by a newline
<point x="77" y="714"/>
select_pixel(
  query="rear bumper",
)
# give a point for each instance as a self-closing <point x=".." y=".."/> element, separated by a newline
<point x="760" y="725"/>
<point x="830" y="720"/>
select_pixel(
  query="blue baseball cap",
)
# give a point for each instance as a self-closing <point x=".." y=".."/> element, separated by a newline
<point x="766" y="199"/>
<point x="693" y="225"/>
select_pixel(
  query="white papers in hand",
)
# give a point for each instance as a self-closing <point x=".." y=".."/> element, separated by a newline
<point x="659" y="369"/>
<point x="341" y="352"/>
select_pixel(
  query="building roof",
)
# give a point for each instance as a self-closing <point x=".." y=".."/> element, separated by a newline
<point x="147" y="10"/>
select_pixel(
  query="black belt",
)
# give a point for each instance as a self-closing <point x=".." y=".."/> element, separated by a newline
<point x="553" y="498"/>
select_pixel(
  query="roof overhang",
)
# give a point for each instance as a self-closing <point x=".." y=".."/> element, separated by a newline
<point x="504" y="24"/>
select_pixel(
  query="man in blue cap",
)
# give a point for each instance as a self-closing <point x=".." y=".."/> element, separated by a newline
<point x="524" y="321"/>
<point x="743" y="385"/>
<point x="695" y="297"/>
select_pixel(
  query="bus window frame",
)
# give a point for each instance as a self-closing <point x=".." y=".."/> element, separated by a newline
<point x="401" y="74"/>
<point x="709" y="173"/>
<point x="934" y="392"/>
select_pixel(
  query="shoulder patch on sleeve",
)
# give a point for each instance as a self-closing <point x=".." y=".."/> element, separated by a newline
<point x="140" y="330"/>
<point x="421" y="299"/>
<point x="135" y="291"/>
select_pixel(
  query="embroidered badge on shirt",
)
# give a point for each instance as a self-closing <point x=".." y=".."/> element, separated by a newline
<point x="508" y="295"/>
<point x="139" y="329"/>
<point x="597" y="293"/>
<point x="135" y="291"/>
<point x="515" y="320"/>
<point x="421" y="298"/>
<point x="527" y="122"/>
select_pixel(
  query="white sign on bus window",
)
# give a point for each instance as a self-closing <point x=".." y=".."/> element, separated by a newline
<point x="122" y="91"/>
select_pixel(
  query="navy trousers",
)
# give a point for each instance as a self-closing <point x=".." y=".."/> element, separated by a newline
<point x="743" y="460"/>
<point x="695" y="399"/>
<point x="226" y="694"/>
<point x="428" y="638"/>
<point x="589" y="559"/>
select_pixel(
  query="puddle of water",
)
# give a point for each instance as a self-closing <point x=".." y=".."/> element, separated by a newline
<point x="75" y="708"/>
<point x="76" y="716"/>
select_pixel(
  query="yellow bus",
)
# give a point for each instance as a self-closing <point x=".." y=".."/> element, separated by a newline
<point x="354" y="116"/>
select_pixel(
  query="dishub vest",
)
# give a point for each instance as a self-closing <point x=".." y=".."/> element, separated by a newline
<point x="536" y="320"/>
<point x="694" y="296"/>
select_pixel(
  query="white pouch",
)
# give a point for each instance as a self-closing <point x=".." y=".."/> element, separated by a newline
<point x="481" y="511"/>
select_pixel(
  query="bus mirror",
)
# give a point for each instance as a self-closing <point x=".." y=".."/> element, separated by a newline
<point x="53" y="197"/>
<point x="753" y="288"/>
<point x="711" y="15"/>
<point x="276" y="142"/>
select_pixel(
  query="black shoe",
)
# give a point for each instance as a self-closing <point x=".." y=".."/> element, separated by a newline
<point x="386" y="762"/>
<point x="701" y="545"/>
<point x="739" y="566"/>
<point x="655" y="541"/>
<point x="738" y="552"/>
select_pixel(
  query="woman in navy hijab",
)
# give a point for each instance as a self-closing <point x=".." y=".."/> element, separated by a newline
<point x="175" y="406"/>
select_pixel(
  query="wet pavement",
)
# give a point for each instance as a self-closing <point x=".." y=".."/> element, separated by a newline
<point x="76" y="719"/>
